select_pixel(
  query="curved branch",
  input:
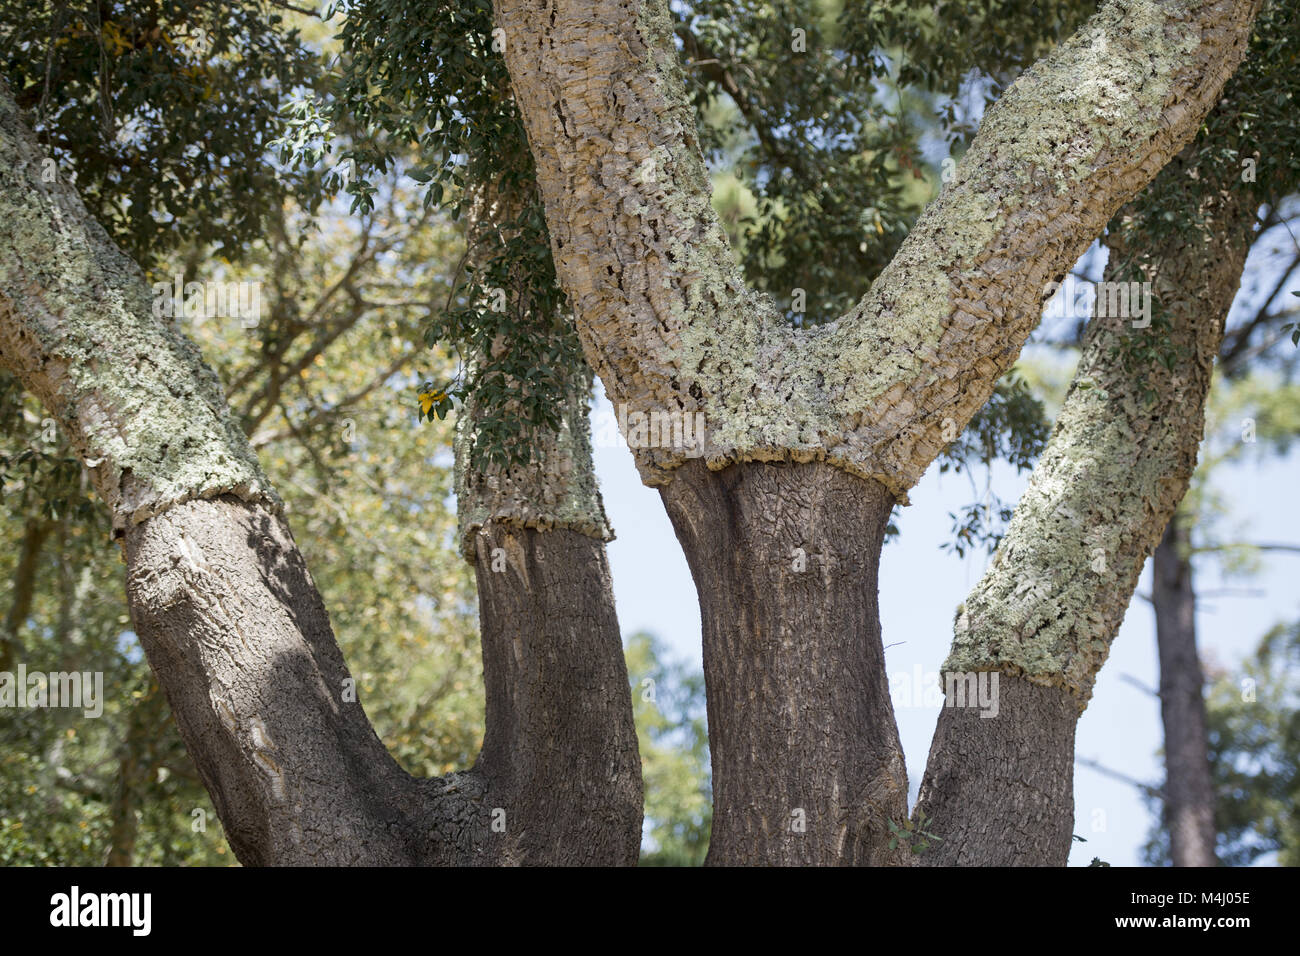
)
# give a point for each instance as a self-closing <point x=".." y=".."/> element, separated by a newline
<point x="1051" y="601"/>
<point x="664" y="314"/>
<point x="220" y="596"/>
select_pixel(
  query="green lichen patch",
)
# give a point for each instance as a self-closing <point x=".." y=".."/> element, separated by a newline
<point x="77" y="325"/>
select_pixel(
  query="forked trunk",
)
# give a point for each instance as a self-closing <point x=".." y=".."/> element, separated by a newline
<point x="238" y="637"/>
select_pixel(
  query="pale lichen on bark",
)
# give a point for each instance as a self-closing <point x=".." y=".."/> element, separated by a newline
<point x="140" y="407"/>
<point x="666" y="319"/>
<point x="555" y="489"/>
<point x="1117" y="464"/>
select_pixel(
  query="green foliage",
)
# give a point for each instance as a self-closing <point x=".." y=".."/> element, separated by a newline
<point x="937" y="45"/>
<point x="161" y="111"/>
<point x="913" y="834"/>
<point x="825" y="156"/>
<point x="44" y="475"/>
<point x="668" y="705"/>
<point x="429" y="93"/>
<point x="1248" y="143"/>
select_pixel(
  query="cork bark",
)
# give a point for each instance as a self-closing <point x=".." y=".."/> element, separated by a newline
<point x="554" y="484"/>
<point x="667" y="322"/>
<point x="665" y="317"/>
<point x="561" y="746"/>
<point x="235" y="629"/>
<point x="77" y="327"/>
<point x="1049" y="605"/>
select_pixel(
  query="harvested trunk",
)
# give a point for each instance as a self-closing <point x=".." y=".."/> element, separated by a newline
<point x="807" y="764"/>
<point x="239" y="639"/>
<point x="1189" y="792"/>
<point x="221" y="599"/>
<point x="999" y="791"/>
<point x="560" y="754"/>
<point x="561" y="750"/>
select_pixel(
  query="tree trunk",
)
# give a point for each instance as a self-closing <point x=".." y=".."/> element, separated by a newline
<point x="561" y="748"/>
<point x="222" y="601"/>
<point x="239" y="639"/>
<point x="137" y="762"/>
<point x="1045" y="612"/>
<point x="1189" y="792"/>
<point x="807" y="765"/>
<point x="999" y="791"/>
<point x="667" y="322"/>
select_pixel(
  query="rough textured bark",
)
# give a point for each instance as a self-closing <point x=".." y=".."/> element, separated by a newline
<point x="140" y="408"/>
<point x="999" y="791"/>
<point x="664" y="314"/>
<point x="220" y="597"/>
<point x="557" y="488"/>
<point x="561" y="748"/>
<point x="239" y="639"/>
<point x="807" y="765"/>
<point x="668" y="324"/>
<point x="1189" y="791"/>
<point x="560" y="751"/>
<point x="1049" y="605"/>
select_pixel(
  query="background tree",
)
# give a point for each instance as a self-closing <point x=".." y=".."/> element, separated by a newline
<point x="669" y="702"/>
<point x="1252" y="730"/>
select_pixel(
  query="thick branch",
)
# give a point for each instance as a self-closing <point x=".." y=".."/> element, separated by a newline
<point x="1046" y="610"/>
<point x="77" y="327"/>
<point x="664" y="315"/>
<point x="225" y="609"/>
